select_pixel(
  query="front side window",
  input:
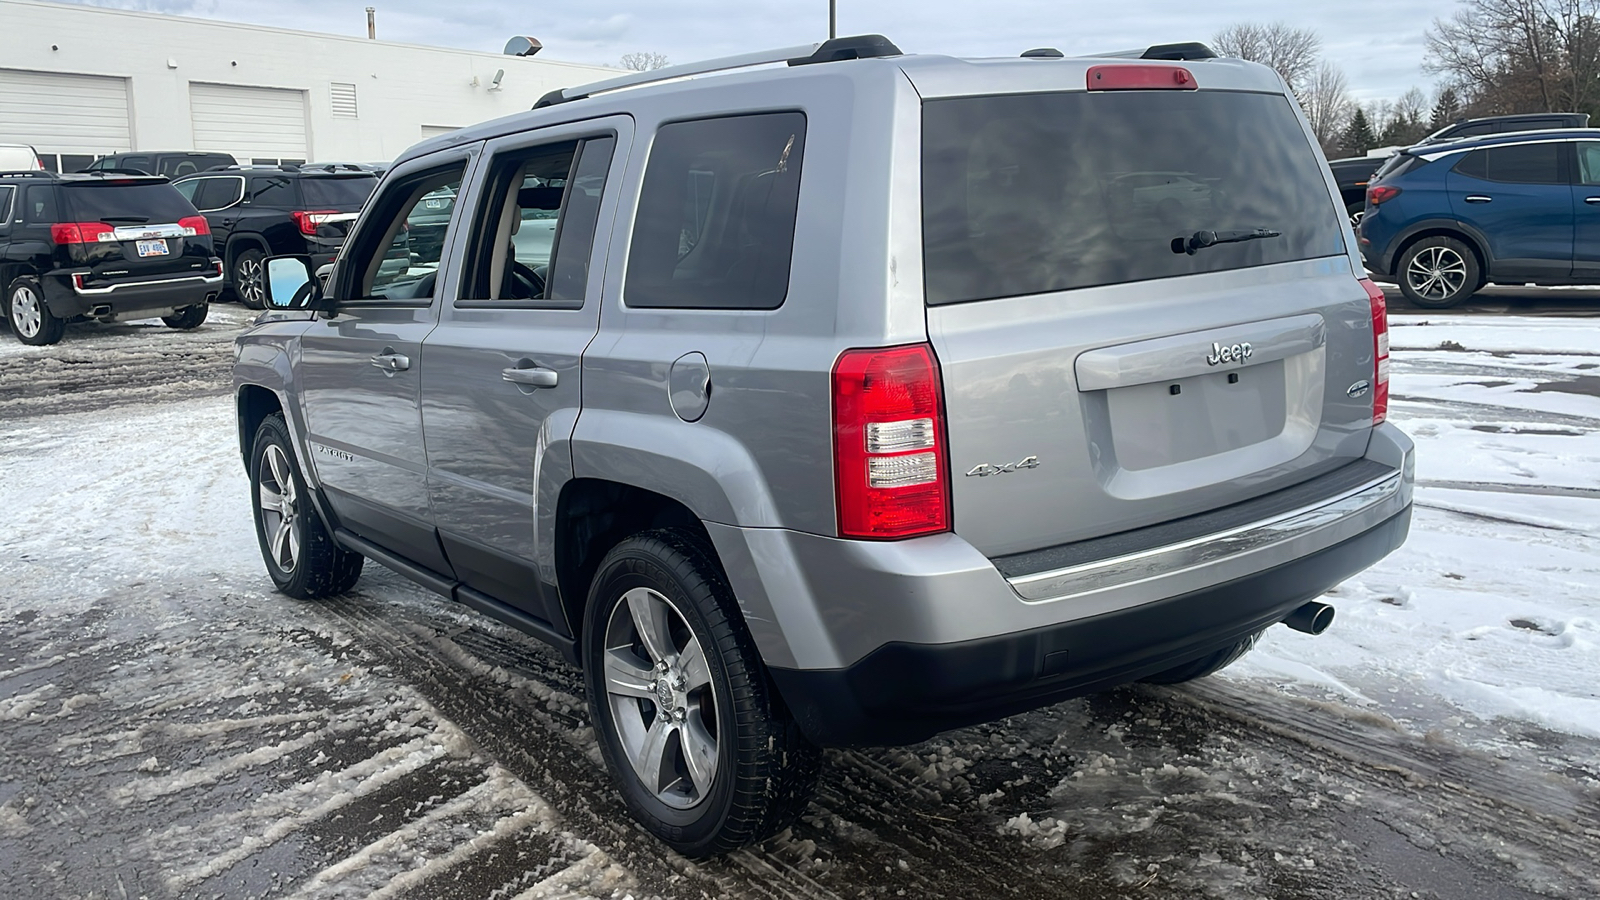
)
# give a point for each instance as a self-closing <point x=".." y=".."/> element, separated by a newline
<point x="537" y="227"/>
<point x="1029" y="193"/>
<point x="716" y="218"/>
<point x="398" y="252"/>
<point x="217" y="193"/>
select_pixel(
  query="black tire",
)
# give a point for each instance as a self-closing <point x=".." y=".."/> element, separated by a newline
<point x="1210" y="664"/>
<point x="765" y="768"/>
<point x="189" y="317"/>
<point x="246" y="279"/>
<point x="28" y="314"/>
<point x="316" y="566"/>
<point x="1438" y="272"/>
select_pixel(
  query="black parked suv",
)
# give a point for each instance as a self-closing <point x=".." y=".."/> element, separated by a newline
<point x="103" y="247"/>
<point x="261" y="211"/>
<point x="168" y="163"/>
<point x="1488" y="125"/>
<point x="1352" y="176"/>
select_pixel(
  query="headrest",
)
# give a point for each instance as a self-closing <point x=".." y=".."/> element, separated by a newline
<point x="540" y="197"/>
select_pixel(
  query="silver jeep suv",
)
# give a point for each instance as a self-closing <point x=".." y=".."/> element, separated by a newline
<point x="842" y="402"/>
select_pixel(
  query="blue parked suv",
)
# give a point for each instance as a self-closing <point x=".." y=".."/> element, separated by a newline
<point x="1444" y="220"/>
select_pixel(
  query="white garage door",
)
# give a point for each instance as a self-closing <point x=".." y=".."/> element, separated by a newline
<point x="249" y="122"/>
<point x="429" y="131"/>
<point x="59" y="113"/>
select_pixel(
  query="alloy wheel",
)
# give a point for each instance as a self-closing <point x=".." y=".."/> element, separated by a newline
<point x="27" y="314"/>
<point x="1437" y="273"/>
<point x="658" y="687"/>
<point x="247" y="280"/>
<point x="277" y="500"/>
<point x="1355" y="217"/>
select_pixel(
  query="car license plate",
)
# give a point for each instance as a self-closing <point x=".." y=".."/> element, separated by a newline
<point x="152" y="248"/>
<point x="433" y="204"/>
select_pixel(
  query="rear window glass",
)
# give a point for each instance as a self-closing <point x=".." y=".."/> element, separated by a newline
<point x="1519" y="164"/>
<point x="343" y="194"/>
<point x="1045" y="192"/>
<point x="127" y="204"/>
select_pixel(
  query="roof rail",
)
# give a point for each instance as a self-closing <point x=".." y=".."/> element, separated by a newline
<point x="28" y="173"/>
<point x="1174" y="52"/>
<point x="858" y="47"/>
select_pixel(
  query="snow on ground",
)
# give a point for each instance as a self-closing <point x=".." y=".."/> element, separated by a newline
<point x="1493" y="604"/>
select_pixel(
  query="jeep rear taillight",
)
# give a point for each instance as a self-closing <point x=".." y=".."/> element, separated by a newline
<point x="1380" y="351"/>
<point x="1378" y="193"/>
<point x="308" y="220"/>
<point x="891" y="466"/>
<point x="82" y="233"/>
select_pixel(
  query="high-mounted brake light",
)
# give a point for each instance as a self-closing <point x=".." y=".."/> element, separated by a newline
<point x="308" y="220"/>
<point x="194" y="225"/>
<point x="82" y="233"/>
<point x="1380" y="192"/>
<point x="1141" y="78"/>
<point x="1380" y="351"/>
<point x="891" y="466"/>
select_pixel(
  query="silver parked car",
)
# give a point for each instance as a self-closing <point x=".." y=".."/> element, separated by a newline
<point x="852" y="400"/>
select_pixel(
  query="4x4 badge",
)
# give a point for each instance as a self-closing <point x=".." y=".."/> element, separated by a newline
<point x="983" y="470"/>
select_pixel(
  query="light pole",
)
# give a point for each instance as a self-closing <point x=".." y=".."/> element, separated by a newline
<point x="833" y="19"/>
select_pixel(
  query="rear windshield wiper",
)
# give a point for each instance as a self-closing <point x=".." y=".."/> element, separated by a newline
<point x="1203" y="239"/>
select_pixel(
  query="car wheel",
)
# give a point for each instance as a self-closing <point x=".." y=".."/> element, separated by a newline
<point x="249" y="283"/>
<point x="188" y="317"/>
<point x="301" y="556"/>
<point x="30" y="316"/>
<point x="1438" y="272"/>
<point x="697" y="740"/>
<point x="1355" y="211"/>
<point x="1209" y="664"/>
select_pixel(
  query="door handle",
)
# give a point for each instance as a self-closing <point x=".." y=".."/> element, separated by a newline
<point x="391" y="362"/>
<point x="535" y="376"/>
<point x="1479" y="198"/>
<point x="1592" y="200"/>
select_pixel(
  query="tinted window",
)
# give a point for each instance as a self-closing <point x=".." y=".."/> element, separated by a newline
<point x="74" y="162"/>
<point x="715" y="226"/>
<point x="217" y="193"/>
<point x="1521" y="164"/>
<point x="140" y="163"/>
<point x="41" y="203"/>
<point x="6" y="192"/>
<point x="345" y="194"/>
<point x="188" y="189"/>
<point x="272" y="190"/>
<point x="569" y="274"/>
<point x="126" y="204"/>
<point x="1046" y="192"/>
<point x="1589" y="162"/>
<point x="1481" y="128"/>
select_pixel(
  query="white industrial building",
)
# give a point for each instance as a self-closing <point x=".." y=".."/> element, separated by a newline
<point x="80" y="81"/>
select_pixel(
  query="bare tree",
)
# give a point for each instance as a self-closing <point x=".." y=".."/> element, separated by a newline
<point x="1521" y="55"/>
<point x="1293" y="52"/>
<point x="643" y="61"/>
<point x="1326" y="101"/>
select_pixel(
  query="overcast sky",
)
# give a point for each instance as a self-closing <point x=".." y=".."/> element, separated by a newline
<point x="1378" y="43"/>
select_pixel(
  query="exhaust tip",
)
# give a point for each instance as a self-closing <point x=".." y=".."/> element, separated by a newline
<point x="1311" y="617"/>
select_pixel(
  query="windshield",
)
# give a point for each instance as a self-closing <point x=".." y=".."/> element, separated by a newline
<point x="344" y="193"/>
<point x="1029" y="193"/>
<point x="127" y="204"/>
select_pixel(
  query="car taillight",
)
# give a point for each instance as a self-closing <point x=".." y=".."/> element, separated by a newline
<point x="1140" y="78"/>
<point x="1380" y="351"/>
<point x="194" y="225"/>
<point x="308" y="220"/>
<point x="82" y="232"/>
<point x="1380" y="192"/>
<point x="891" y="466"/>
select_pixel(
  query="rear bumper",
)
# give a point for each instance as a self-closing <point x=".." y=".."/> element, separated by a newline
<point x="890" y="642"/>
<point x="67" y="298"/>
<point x="904" y="693"/>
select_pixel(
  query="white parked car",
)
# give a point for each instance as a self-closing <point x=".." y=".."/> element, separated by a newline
<point x="19" y="158"/>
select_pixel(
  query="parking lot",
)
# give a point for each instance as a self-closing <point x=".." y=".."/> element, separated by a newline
<point x="175" y="729"/>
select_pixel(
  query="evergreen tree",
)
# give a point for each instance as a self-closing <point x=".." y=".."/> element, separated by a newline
<point x="1358" y="136"/>
<point x="1446" y="108"/>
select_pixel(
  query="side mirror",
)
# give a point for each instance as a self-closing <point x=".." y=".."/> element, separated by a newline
<point x="291" y="284"/>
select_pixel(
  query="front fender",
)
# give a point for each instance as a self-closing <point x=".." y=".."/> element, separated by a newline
<point x="264" y="358"/>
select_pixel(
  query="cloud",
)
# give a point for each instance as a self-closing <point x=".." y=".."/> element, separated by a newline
<point x="1377" y="42"/>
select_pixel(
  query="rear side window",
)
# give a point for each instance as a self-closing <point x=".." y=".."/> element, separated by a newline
<point x="217" y="193"/>
<point x="343" y="194"/>
<point x="1521" y="164"/>
<point x="715" y="226"/>
<point x="272" y="190"/>
<point x="40" y="204"/>
<point x="1029" y="193"/>
<point x="155" y="203"/>
<point x="6" y="193"/>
